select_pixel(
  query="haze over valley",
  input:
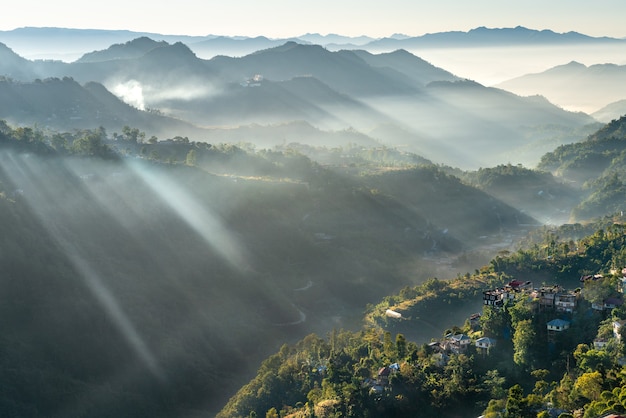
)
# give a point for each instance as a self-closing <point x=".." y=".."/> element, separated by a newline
<point x="176" y="208"/>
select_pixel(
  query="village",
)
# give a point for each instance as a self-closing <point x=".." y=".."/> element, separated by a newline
<point x="552" y="300"/>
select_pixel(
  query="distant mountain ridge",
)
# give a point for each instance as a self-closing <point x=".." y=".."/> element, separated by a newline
<point x="485" y="37"/>
<point x="447" y="119"/>
<point x="132" y="49"/>
<point x="69" y="44"/>
<point x="597" y="85"/>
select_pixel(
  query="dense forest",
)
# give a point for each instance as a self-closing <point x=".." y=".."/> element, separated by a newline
<point x="147" y="276"/>
<point x="528" y="366"/>
<point x="596" y="165"/>
<point x="530" y="371"/>
<point x="151" y="277"/>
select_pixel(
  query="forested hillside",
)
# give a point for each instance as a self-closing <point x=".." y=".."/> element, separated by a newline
<point x="440" y="113"/>
<point x="146" y="277"/>
<point x="524" y="370"/>
<point x="596" y="165"/>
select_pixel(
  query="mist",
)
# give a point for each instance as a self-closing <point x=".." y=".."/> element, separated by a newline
<point x="493" y="65"/>
<point x="152" y="274"/>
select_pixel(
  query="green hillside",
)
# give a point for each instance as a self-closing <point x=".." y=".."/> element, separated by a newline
<point x="145" y="277"/>
<point x="596" y="166"/>
<point x="528" y="369"/>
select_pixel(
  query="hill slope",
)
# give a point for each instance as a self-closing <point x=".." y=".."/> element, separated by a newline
<point x="574" y="85"/>
<point x="152" y="273"/>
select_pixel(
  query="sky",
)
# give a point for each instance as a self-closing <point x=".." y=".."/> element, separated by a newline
<point x="287" y="18"/>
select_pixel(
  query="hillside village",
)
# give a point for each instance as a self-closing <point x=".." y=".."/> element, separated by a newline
<point x="597" y="296"/>
<point x="561" y="303"/>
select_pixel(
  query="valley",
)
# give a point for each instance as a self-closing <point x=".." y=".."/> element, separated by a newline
<point x="173" y="215"/>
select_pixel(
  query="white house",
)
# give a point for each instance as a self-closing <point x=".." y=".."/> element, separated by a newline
<point x="617" y="327"/>
<point x="485" y="343"/>
<point x="393" y="314"/>
<point x="599" y="343"/>
<point x="558" y="325"/>
<point x="459" y="342"/>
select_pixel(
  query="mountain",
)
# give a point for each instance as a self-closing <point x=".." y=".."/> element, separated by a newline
<point x="14" y="66"/>
<point x="596" y="166"/>
<point x="64" y="104"/>
<point x="416" y="69"/>
<point x="452" y="114"/>
<point x="331" y="90"/>
<point x="343" y="71"/>
<point x="574" y="85"/>
<point x="131" y="49"/>
<point x="181" y="255"/>
<point x="331" y="38"/>
<point x="487" y="37"/>
<point x="385" y="370"/>
<point x="236" y="47"/>
<point x="611" y="111"/>
<point x="70" y="44"/>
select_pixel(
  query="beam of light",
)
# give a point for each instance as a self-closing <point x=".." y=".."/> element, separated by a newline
<point x="44" y="198"/>
<point x="198" y="217"/>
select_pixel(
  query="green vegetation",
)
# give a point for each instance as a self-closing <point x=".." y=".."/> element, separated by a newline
<point x="597" y="166"/>
<point x="121" y="299"/>
<point x="531" y="372"/>
<point x="104" y="274"/>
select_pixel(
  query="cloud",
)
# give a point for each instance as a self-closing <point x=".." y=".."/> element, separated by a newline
<point x="130" y="92"/>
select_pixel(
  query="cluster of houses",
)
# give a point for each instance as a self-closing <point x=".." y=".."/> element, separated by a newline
<point x="544" y="299"/>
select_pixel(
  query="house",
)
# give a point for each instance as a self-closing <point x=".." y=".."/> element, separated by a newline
<point x="608" y="304"/>
<point x="459" y="343"/>
<point x="436" y="346"/>
<point x="546" y="296"/>
<point x="518" y="285"/>
<point x="497" y="297"/>
<point x="589" y="277"/>
<point x="485" y="343"/>
<point x="474" y="321"/>
<point x="599" y="343"/>
<point x="558" y="325"/>
<point x="493" y="298"/>
<point x="617" y="329"/>
<point x="383" y="375"/>
<point x="376" y="389"/>
<point x="565" y="302"/>
<point x="613" y="302"/>
<point x="393" y="314"/>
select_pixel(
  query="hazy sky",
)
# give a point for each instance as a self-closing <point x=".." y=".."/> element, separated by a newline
<point x="284" y="18"/>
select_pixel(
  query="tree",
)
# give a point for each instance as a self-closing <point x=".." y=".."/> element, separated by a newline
<point x="401" y="345"/>
<point x="590" y="385"/>
<point x="522" y="342"/>
<point x="133" y="135"/>
<point x="91" y="144"/>
<point x="515" y="404"/>
<point x="596" y="291"/>
<point x="388" y="347"/>
<point x="494" y="383"/>
<point x="493" y="322"/>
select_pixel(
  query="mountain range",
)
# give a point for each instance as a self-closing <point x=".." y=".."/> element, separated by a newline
<point x="291" y="187"/>
<point x="330" y="90"/>
<point x="577" y="86"/>
<point x="38" y="42"/>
